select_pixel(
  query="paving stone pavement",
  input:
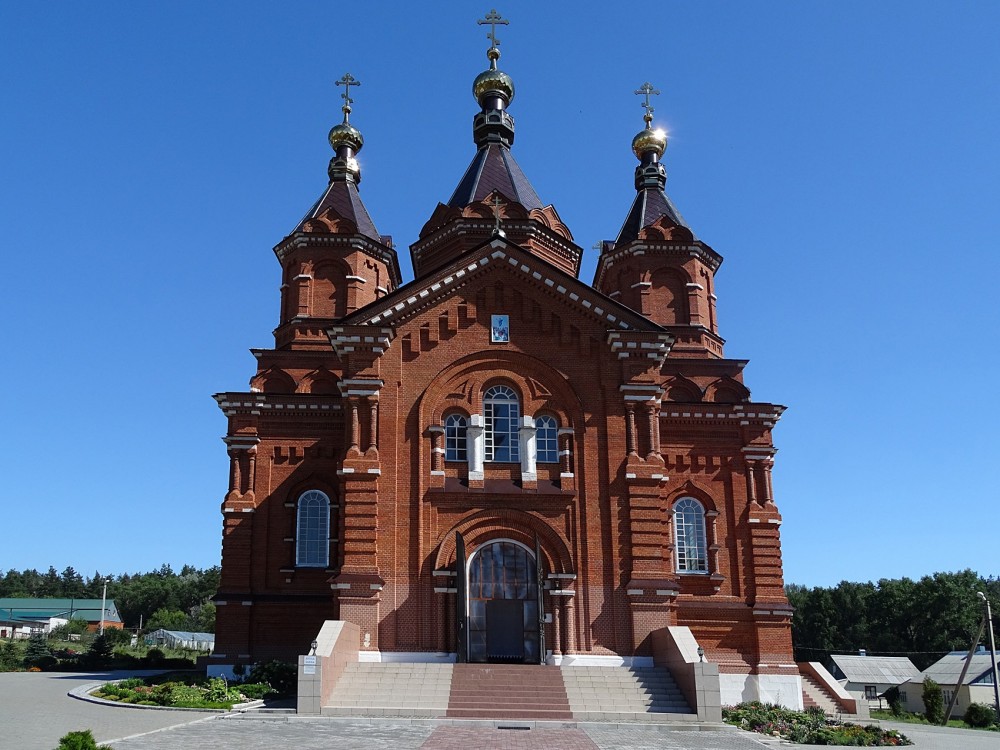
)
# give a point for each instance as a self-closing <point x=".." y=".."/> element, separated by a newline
<point x="317" y="734"/>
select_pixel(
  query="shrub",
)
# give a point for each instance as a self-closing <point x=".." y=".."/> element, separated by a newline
<point x="280" y="675"/>
<point x="10" y="657"/>
<point x="82" y="740"/>
<point x="895" y="700"/>
<point x="980" y="715"/>
<point x="37" y="650"/>
<point x="933" y="701"/>
<point x="155" y="656"/>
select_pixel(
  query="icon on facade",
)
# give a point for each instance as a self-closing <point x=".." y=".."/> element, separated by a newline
<point x="499" y="329"/>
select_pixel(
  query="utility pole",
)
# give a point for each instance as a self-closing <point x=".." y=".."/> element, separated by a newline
<point x="993" y="654"/>
<point x="104" y="604"/>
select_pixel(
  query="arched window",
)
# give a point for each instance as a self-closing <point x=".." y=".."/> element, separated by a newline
<point x="691" y="550"/>
<point x="455" y="431"/>
<point x="312" y="536"/>
<point x="546" y="440"/>
<point x="502" y="413"/>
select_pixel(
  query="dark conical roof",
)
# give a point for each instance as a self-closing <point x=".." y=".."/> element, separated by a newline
<point x="494" y="168"/>
<point x="650" y="205"/>
<point x="343" y="198"/>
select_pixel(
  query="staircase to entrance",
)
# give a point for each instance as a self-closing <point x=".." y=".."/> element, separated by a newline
<point x="507" y="692"/>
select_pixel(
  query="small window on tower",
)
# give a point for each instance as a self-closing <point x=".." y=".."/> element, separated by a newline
<point x="456" y="428"/>
<point x="547" y="440"/>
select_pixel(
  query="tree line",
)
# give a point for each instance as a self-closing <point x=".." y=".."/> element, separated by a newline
<point x="161" y="598"/>
<point x="922" y="619"/>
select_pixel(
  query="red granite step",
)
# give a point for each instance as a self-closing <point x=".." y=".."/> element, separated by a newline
<point x="489" y="691"/>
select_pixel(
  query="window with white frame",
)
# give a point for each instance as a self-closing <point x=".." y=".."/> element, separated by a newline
<point x="312" y="533"/>
<point x="691" y="549"/>
<point x="547" y="440"/>
<point x="456" y="428"/>
<point x="502" y="414"/>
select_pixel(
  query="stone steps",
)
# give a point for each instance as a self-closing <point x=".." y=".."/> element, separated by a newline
<point x="814" y="694"/>
<point x="503" y="692"/>
<point x="499" y="691"/>
<point x="391" y="689"/>
<point x="625" y="694"/>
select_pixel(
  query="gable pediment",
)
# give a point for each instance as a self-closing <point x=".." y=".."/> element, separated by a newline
<point x="503" y="260"/>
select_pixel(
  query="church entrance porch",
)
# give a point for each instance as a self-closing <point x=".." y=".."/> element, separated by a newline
<point x="504" y="605"/>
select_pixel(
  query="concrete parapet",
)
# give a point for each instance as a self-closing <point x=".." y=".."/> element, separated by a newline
<point x="337" y="645"/>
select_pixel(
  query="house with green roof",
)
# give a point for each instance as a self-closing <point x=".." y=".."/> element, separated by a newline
<point x="33" y="614"/>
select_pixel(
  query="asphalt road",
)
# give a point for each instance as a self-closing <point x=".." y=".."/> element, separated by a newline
<point x="35" y="711"/>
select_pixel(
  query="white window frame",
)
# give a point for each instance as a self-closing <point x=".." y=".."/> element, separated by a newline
<point x="690" y="539"/>
<point x="547" y="439"/>
<point x="502" y="396"/>
<point x="312" y="530"/>
<point x="456" y="437"/>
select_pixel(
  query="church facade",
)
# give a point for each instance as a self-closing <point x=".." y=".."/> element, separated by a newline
<point x="498" y="461"/>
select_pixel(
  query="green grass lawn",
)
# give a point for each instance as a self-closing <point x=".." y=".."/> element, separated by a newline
<point x="921" y="719"/>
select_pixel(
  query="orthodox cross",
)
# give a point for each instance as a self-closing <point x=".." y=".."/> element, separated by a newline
<point x="493" y="19"/>
<point x="599" y="245"/>
<point x="496" y="215"/>
<point x="647" y="90"/>
<point x="347" y="81"/>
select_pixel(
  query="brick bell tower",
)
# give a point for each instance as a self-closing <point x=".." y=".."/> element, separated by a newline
<point x="302" y="423"/>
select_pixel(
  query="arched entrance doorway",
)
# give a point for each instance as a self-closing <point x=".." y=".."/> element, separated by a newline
<point x="504" y="608"/>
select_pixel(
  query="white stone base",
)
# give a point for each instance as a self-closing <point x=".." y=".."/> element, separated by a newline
<point x="785" y="690"/>
<point x="595" y="660"/>
<point x="409" y="657"/>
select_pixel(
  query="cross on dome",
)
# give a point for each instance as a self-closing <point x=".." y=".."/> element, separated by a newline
<point x="493" y="19"/>
<point x="347" y="81"/>
<point x="647" y="90"/>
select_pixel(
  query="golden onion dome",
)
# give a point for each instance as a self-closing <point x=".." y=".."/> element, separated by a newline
<point x="493" y="82"/>
<point x="649" y="140"/>
<point x="346" y="134"/>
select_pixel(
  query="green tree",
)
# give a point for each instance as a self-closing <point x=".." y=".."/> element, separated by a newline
<point x="38" y="650"/>
<point x="168" y="619"/>
<point x="933" y="701"/>
<point x="100" y="651"/>
<point x="72" y="584"/>
<point x="203" y="618"/>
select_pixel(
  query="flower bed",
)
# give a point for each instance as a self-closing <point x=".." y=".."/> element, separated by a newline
<point x="809" y="728"/>
<point x="187" y="691"/>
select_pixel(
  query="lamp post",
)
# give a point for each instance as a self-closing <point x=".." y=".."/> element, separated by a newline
<point x="993" y="653"/>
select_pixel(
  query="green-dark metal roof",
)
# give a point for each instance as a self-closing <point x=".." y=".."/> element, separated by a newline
<point x="70" y="609"/>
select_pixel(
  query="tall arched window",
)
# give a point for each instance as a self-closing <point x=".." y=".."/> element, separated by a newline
<point x="456" y="428"/>
<point x="547" y="440"/>
<point x="691" y="550"/>
<point x="502" y="413"/>
<point x="312" y="535"/>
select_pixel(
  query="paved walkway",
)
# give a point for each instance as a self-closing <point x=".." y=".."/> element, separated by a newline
<point x="35" y="711"/>
<point x="320" y="734"/>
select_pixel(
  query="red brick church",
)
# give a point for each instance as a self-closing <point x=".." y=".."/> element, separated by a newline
<point x="498" y="461"/>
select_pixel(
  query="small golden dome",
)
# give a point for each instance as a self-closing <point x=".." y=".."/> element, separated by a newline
<point x="649" y="140"/>
<point x="493" y="82"/>
<point x="346" y="134"/>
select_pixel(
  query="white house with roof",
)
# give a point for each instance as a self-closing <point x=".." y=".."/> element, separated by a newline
<point x="870" y="676"/>
<point x="977" y="687"/>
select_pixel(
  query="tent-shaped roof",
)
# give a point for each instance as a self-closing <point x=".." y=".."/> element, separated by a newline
<point x="874" y="670"/>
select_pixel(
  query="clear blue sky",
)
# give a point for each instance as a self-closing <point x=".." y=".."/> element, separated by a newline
<point x="842" y="156"/>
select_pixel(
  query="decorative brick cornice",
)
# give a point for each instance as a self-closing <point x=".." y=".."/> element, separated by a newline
<point x="354" y="242"/>
<point x="273" y="403"/>
<point x="695" y="249"/>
